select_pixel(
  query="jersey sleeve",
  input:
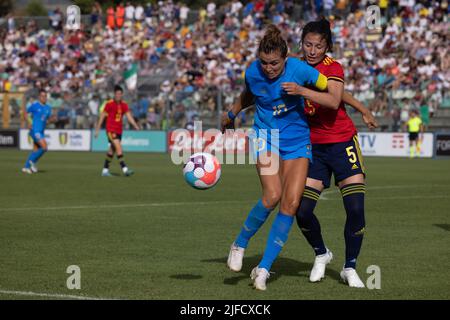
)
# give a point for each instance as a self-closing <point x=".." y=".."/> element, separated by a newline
<point x="335" y="72"/>
<point x="31" y="108"/>
<point x="107" y="108"/>
<point x="246" y="80"/>
<point x="307" y="75"/>
<point x="125" y="108"/>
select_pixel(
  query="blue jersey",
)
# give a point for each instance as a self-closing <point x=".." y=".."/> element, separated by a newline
<point x="275" y="109"/>
<point x="40" y="114"/>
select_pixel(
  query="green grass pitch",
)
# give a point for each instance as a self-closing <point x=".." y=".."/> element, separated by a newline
<point x="151" y="236"/>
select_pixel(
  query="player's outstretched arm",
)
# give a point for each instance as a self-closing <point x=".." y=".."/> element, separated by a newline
<point x="102" y="118"/>
<point x="331" y="99"/>
<point x="246" y="99"/>
<point x="53" y="118"/>
<point x="367" y="116"/>
<point x="131" y="120"/>
<point x="28" y="119"/>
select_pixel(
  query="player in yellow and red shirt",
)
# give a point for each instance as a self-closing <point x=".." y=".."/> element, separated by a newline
<point x="113" y="113"/>
<point x="335" y="151"/>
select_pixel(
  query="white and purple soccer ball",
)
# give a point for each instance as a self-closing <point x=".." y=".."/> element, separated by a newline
<point x="202" y="170"/>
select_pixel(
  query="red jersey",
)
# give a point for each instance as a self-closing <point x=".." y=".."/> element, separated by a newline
<point x="328" y="125"/>
<point x="115" y="113"/>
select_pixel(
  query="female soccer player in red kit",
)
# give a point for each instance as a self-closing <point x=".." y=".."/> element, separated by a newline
<point x="113" y="113"/>
<point x="335" y="151"/>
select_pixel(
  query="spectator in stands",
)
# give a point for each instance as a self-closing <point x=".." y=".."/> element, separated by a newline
<point x="93" y="106"/>
<point x="56" y="19"/>
<point x="120" y="15"/>
<point x="129" y="12"/>
<point x="111" y="18"/>
<point x="62" y="118"/>
<point x="153" y="119"/>
<point x="96" y="14"/>
<point x="424" y="111"/>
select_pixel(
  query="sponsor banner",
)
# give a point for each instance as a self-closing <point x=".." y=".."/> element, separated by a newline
<point x="212" y="141"/>
<point x="393" y="144"/>
<point x="9" y="139"/>
<point x="372" y="144"/>
<point x="443" y="144"/>
<point x="134" y="141"/>
<point x="60" y="140"/>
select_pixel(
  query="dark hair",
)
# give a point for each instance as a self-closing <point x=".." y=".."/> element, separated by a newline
<point x="118" y="88"/>
<point x="321" y="27"/>
<point x="42" y="90"/>
<point x="273" y="41"/>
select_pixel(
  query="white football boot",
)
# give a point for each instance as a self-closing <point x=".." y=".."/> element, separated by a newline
<point x="320" y="262"/>
<point x="235" y="258"/>
<point x="33" y="167"/>
<point x="27" y="170"/>
<point x="259" y="277"/>
<point x="106" y="173"/>
<point x="350" y="277"/>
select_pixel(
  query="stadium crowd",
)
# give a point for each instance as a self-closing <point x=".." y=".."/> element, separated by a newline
<point x="402" y="65"/>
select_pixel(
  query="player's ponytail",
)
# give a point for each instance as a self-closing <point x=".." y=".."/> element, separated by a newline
<point x="273" y="41"/>
<point x="321" y="27"/>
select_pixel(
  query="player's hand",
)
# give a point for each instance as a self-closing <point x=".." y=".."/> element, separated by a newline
<point x="226" y="122"/>
<point x="370" y="120"/>
<point x="96" y="134"/>
<point x="292" y="88"/>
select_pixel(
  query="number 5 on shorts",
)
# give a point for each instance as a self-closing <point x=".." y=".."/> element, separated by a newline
<point x="351" y="154"/>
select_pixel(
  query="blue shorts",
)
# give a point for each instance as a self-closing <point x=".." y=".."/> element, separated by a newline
<point x="262" y="141"/>
<point x="341" y="159"/>
<point x="36" y="136"/>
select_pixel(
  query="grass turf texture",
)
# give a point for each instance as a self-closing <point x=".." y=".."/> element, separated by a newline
<point x="151" y="236"/>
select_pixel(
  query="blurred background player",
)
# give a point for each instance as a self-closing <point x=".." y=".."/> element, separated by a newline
<point x="414" y="126"/>
<point x="113" y="113"/>
<point x="336" y="152"/>
<point x="37" y="116"/>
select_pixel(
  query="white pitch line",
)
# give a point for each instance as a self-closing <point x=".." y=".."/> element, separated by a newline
<point x="115" y="206"/>
<point x="50" y="295"/>
<point x="323" y="196"/>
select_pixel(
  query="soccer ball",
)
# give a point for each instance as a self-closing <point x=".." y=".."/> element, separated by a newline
<point x="202" y="170"/>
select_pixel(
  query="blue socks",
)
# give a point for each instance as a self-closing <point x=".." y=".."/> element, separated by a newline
<point x="34" y="156"/>
<point x="277" y="238"/>
<point x="353" y="196"/>
<point x="256" y="218"/>
<point x="308" y="222"/>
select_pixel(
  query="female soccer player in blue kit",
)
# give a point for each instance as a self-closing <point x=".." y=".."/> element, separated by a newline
<point x="40" y="113"/>
<point x="279" y="117"/>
